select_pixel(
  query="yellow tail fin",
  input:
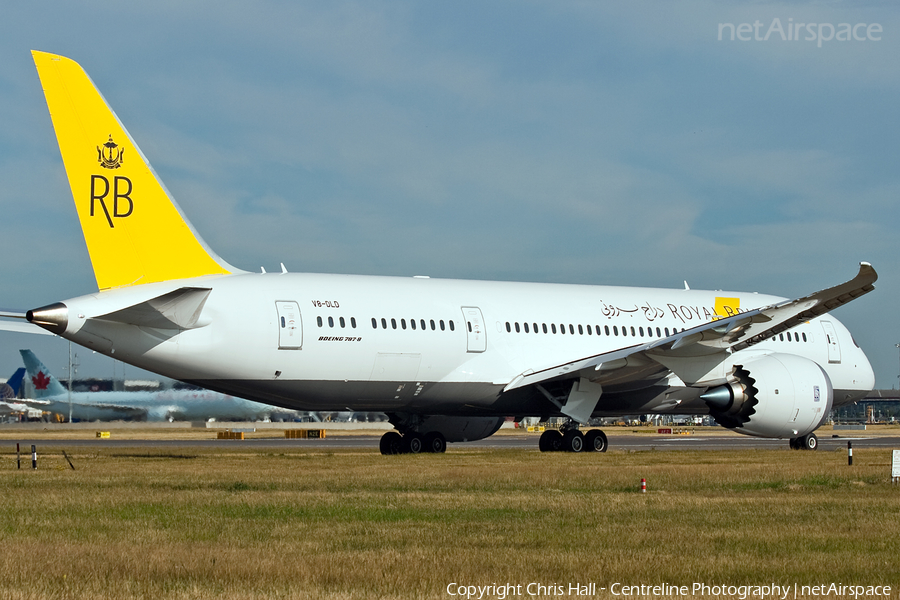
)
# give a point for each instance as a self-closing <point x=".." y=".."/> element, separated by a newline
<point x="135" y="233"/>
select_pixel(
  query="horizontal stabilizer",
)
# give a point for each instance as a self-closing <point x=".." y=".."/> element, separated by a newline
<point x="19" y="326"/>
<point x="176" y="310"/>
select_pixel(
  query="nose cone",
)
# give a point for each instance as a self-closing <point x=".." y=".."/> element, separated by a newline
<point x="53" y="317"/>
<point x="865" y="373"/>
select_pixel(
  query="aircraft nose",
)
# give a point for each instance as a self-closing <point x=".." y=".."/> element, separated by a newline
<point x="865" y="375"/>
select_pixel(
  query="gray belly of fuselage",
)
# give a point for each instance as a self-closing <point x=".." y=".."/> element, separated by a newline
<point x="479" y="399"/>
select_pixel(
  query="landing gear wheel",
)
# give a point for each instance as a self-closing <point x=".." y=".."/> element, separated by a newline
<point x="435" y="442"/>
<point x="550" y="441"/>
<point x="808" y="442"/>
<point x="595" y="441"/>
<point x="413" y="443"/>
<point x="573" y="441"/>
<point x="391" y="443"/>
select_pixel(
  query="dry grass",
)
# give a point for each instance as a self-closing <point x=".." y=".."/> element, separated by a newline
<point x="201" y="523"/>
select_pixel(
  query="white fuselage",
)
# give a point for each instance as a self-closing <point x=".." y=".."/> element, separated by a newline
<point x="430" y="346"/>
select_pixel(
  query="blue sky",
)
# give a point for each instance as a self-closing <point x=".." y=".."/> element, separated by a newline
<point x="586" y="142"/>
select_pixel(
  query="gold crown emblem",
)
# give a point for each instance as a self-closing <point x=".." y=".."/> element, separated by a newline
<point x="109" y="155"/>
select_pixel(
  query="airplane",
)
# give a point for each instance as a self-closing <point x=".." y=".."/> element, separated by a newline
<point x="166" y="405"/>
<point x="446" y="360"/>
<point x="9" y="392"/>
<point x="9" y="389"/>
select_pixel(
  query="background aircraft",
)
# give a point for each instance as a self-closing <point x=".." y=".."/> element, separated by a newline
<point x="9" y="392"/>
<point x="168" y="405"/>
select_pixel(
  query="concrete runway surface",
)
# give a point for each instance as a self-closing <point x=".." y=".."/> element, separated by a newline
<point x="345" y="436"/>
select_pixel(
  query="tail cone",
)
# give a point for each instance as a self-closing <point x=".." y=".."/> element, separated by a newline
<point x="53" y="317"/>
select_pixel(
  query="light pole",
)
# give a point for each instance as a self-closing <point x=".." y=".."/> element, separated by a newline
<point x="73" y="368"/>
<point x="70" y="381"/>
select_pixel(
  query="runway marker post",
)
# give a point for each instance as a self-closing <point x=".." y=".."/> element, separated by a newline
<point x="18" y="457"/>
<point x="643" y="485"/>
<point x="33" y="457"/>
<point x="850" y="454"/>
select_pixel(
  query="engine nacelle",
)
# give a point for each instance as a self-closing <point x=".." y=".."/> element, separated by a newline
<point x="774" y="395"/>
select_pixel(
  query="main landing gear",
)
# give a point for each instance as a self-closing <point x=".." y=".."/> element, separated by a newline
<point x="412" y="443"/>
<point x="807" y="442"/>
<point x="571" y="439"/>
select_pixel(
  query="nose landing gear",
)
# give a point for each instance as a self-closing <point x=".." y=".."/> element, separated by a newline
<point x="806" y="442"/>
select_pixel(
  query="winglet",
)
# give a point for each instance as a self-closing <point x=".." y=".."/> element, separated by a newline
<point x="135" y="233"/>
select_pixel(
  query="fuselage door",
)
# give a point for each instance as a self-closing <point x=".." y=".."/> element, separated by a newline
<point x="290" y="328"/>
<point x="834" y="347"/>
<point x="476" y="340"/>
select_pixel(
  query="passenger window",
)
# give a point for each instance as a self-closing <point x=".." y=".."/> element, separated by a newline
<point x="468" y="323"/>
<point x="508" y="327"/>
<point x="442" y="325"/>
<point x="422" y="323"/>
<point x="553" y="327"/>
<point x="342" y="322"/>
<point x="432" y="325"/>
<point x="517" y="328"/>
<point x="589" y="330"/>
<point x="393" y="323"/>
<point x="615" y="331"/>
<point x="641" y="331"/>
<point x="605" y="329"/>
<point x="331" y="321"/>
<point x="384" y="324"/>
<point x="353" y="322"/>
<point x="452" y="326"/>
<point x="781" y="337"/>
<point x="667" y="331"/>
<point x="403" y="323"/>
<point x="580" y="330"/>
<point x="374" y="323"/>
<point x="804" y="337"/>
<point x="535" y="328"/>
<point x="544" y="327"/>
<point x="318" y="320"/>
<point x="525" y="325"/>
<point x="562" y="329"/>
<point x="412" y="324"/>
<point x="632" y="331"/>
<point x="658" y="333"/>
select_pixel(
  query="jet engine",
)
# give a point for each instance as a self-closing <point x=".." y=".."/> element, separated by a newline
<point x="774" y="395"/>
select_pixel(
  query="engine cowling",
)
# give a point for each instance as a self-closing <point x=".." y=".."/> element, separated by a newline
<point x="774" y="395"/>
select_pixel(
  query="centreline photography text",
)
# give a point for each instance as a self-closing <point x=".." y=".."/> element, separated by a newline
<point x="768" y="591"/>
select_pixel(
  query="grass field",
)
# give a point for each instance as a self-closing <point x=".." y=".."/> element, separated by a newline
<point x="204" y="523"/>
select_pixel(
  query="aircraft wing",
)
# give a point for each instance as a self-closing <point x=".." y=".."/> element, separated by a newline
<point x="731" y="333"/>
